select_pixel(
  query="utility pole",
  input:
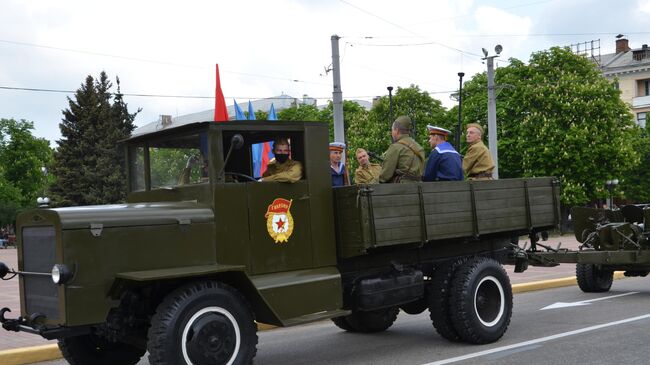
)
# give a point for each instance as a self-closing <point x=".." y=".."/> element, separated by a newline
<point x="492" y="109"/>
<point x="460" y="106"/>
<point x="390" y="104"/>
<point x="337" y="94"/>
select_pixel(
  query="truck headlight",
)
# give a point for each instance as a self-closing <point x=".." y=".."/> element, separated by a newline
<point x="61" y="274"/>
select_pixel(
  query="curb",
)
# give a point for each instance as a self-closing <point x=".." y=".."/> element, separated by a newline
<point x="28" y="355"/>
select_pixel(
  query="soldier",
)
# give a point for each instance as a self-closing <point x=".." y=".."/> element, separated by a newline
<point x="367" y="172"/>
<point x="404" y="159"/>
<point x="282" y="168"/>
<point x="444" y="162"/>
<point x="477" y="163"/>
<point x="338" y="169"/>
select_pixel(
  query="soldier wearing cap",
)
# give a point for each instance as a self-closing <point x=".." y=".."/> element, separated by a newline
<point x="444" y="162"/>
<point x="282" y="168"/>
<point x="404" y="159"/>
<point x="477" y="163"/>
<point x="337" y="167"/>
<point x="367" y="172"/>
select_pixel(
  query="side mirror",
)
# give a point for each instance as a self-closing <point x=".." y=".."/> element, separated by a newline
<point x="237" y="141"/>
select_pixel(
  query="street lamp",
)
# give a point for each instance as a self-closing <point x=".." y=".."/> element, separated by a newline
<point x="492" y="108"/>
<point x="460" y="106"/>
<point x="390" y="103"/>
<point x="611" y="185"/>
<point x="43" y="201"/>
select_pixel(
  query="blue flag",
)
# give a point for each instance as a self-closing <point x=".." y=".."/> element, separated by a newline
<point x="251" y="112"/>
<point x="272" y="115"/>
<point x="239" y="114"/>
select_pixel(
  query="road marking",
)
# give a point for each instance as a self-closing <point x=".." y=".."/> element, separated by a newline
<point x="536" y="341"/>
<point x="583" y="302"/>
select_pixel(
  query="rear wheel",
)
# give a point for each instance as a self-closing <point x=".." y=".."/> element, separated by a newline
<point x="438" y="299"/>
<point x="92" y="349"/>
<point x="592" y="279"/>
<point x="368" y="321"/>
<point x="481" y="298"/>
<point x="203" y="323"/>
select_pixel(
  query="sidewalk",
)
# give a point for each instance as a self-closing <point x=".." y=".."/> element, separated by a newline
<point x="9" y="292"/>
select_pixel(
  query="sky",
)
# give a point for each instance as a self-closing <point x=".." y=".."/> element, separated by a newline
<point x="167" y="50"/>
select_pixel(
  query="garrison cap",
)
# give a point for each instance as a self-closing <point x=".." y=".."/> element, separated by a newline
<point x="403" y="122"/>
<point x="475" y="125"/>
<point x="337" y="146"/>
<point x="438" y="130"/>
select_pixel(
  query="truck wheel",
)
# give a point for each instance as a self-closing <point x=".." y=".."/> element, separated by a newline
<point x="203" y="323"/>
<point x="415" y="307"/>
<point x="482" y="300"/>
<point x="92" y="349"/>
<point x="438" y="298"/>
<point x="592" y="279"/>
<point x="371" y="321"/>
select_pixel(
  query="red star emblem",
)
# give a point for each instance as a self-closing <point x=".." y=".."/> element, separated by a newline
<point x="280" y="224"/>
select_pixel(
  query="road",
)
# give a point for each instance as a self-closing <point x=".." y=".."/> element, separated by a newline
<point x="600" y="331"/>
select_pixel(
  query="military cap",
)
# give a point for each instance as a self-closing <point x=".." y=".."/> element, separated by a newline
<point x="403" y="122"/>
<point x="475" y="125"/>
<point x="438" y="130"/>
<point x="337" y="146"/>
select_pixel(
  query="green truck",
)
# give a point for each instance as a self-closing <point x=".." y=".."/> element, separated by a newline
<point x="198" y="257"/>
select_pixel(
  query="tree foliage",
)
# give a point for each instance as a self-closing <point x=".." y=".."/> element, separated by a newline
<point x="21" y="158"/>
<point x="89" y="164"/>
<point x="558" y="116"/>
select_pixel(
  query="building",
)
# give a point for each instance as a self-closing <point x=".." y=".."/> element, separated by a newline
<point x="631" y="68"/>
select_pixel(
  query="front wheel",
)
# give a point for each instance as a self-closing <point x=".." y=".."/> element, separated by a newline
<point x="203" y="323"/>
<point x="481" y="298"/>
<point x="592" y="279"/>
<point x="92" y="349"/>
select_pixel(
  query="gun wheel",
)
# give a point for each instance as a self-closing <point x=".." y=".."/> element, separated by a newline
<point x="592" y="279"/>
<point x="92" y="349"/>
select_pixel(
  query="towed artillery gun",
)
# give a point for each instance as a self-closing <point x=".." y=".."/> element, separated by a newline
<point x="185" y="270"/>
<point x="611" y="240"/>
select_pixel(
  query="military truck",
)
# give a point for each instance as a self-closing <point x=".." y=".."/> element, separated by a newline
<point x="611" y="240"/>
<point x="188" y="266"/>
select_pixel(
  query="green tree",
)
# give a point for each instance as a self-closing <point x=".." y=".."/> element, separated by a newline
<point x="636" y="185"/>
<point x="21" y="158"/>
<point x="558" y="116"/>
<point x="89" y="164"/>
<point x="301" y="112"/>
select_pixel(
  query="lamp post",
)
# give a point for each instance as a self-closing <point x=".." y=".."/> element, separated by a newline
<point x="390" y="103"/>
<point x="43" y="201"/>
<point x="611" y="185"/>
<point x="460" y="106"/>
<point x="492" y="108"/>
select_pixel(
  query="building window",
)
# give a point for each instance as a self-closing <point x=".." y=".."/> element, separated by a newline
<point x="640" y="119"/>
<point x="643" y="87"/>
<point x="646" y="86"/>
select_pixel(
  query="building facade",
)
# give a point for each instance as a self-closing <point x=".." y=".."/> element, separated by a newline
<point x="631" y="70"/>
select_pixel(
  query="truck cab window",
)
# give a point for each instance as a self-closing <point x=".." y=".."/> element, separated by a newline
<point x="179" y="161"/>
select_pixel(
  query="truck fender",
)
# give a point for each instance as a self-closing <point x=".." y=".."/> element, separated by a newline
<point x="232" y="275"/>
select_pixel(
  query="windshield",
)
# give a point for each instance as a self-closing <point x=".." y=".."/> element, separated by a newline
<point x="179" y="161"/>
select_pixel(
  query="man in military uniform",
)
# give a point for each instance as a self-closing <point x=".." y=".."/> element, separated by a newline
<point x="477" y="163"/>
<point x="282" y="168"/>
<point x="404" y="159"/>
<point x="367" y="172"/>
<point x="444" y="162"/>
<point x="338" y="169"/>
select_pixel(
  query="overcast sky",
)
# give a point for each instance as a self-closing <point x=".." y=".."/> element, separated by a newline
<point x="269" y="48"/>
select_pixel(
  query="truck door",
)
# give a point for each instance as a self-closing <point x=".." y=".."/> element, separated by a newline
<point x="279" y="221"/>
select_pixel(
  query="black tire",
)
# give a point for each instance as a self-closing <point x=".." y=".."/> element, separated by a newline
<point x="415" y="307"/>
<point x="481" y="299"/>
<point x="592" y="279"/>
<point x="438" y="299"/>
<point x="368" y="321"/>
<point x="203" y="322"/>
<point x="91" y="349"/>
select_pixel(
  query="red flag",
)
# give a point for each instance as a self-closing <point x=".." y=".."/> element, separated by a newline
<point x="220" y="110"/>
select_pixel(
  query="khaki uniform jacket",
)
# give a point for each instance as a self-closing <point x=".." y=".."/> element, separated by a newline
<point x="367" y="174"/>
<point x="404" y="157"/>
<point x="477" y="160"/>
<point x="289" y="171"/>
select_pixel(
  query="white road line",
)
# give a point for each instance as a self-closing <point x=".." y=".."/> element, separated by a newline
<point x="535" y="341"/>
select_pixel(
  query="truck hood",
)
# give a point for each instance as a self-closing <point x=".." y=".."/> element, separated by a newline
<point x="134" y="214"/>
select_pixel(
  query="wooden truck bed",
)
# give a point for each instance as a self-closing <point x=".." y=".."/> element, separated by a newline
<point x="371" y="216"/>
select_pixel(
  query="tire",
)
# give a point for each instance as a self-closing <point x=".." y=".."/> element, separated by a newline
<point x="203" y="322"/>
<point x="481" y="298"/>
<point x="438" y="299"/>
<point x="592" y="279"/>
<point x="368" y="321"/>
<point x="91" y="349"/>
<point x="415" y="307"/>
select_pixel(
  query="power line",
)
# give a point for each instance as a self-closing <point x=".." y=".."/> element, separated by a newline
<point x="466" y="15"/>
<point x="499" y="35"/>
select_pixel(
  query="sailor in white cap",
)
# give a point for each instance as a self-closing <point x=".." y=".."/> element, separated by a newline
<point x="444" y="163"/>
<point x="337" y="167"/>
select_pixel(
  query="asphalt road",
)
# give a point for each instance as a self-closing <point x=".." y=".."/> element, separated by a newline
<point x="610" y="328"/>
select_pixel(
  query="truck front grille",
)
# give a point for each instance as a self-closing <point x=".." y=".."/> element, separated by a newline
<point x="39" y="255"/>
